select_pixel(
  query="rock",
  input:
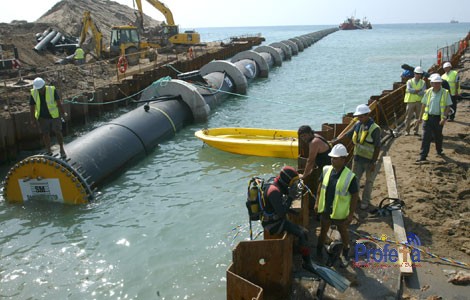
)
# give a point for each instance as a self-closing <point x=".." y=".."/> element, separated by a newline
<point x="461" y="278"/>
<point x="449" y="272"/>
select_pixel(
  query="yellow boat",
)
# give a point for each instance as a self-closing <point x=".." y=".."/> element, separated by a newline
<point x="252" y="141"/>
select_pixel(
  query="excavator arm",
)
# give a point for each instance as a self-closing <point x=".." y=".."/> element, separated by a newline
<point x="161" y="7"/>
<point x="88" y="24"/>
<point x="170" y="29"/>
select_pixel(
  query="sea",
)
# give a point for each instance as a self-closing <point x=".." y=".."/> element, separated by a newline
<point x="165" y="228"/>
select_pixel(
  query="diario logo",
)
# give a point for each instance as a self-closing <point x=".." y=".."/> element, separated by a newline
<point x="369" y="253"/>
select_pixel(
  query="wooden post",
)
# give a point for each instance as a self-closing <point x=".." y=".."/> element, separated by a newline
<point x="406" y="268"/>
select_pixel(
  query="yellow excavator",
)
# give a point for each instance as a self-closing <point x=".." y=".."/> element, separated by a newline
<point x="170" y="29"/>
<point x="125" y="40"/>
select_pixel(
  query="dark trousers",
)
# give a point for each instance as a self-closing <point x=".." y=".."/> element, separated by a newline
<point x="431" y="130"/>
<point x="453" y="106"/>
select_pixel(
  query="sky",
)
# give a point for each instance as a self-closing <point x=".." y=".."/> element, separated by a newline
<point x="241" y="13"/>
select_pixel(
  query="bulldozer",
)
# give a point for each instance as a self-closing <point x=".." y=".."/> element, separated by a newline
<point x="125" y="41"/>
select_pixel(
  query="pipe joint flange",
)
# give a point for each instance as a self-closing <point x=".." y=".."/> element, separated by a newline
<point x="305" y="41"/>
<point x="273" y="52"/>
<point x="189" y="94"/>
<point x="223" y="66"/>
<point x="286" y="49"/>
<point x="263" y="66"/>
<point x="299" y="43"/>
<point x="292" y="46"/>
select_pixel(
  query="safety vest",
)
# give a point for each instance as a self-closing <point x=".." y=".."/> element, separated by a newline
<point x="363" y="142"/>
<point x="50" y="101"/>
<point x="79" y="53"/>
<point x="451" y="78"/>
<point x="411" y="98"/>
<point x="442" y="103"/>
<point x="342" y="199"/>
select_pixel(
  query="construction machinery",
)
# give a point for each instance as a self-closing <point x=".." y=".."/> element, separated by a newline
<point x="170" y="31"/>
<point x="124" y="41"/>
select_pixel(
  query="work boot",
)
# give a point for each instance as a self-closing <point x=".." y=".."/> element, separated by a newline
<point x="345" y="258"/>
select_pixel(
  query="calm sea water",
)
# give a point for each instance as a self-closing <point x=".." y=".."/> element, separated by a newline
<point x="166" y="227"/>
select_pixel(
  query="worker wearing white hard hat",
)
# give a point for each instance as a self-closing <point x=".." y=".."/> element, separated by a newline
<point x="415" y="88"/>
<point x="337" y="196"/>
<point x="46" y="111"/>
<point x="365" y="135"/>
<point x="435" y="107"/>
<point x="452" y="77"/>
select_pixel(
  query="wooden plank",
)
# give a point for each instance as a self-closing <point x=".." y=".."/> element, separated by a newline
<point x="397" y="216"/>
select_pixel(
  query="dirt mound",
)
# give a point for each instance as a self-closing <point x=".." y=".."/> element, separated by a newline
<point x="65" y="17"/>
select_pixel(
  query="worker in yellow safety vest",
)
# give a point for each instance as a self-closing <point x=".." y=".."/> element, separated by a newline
<point x="452" y="77"/>
<point x="338" y="194"/>
<point x="46" y="111"/>
<point x="79" y="56"/>
<point x="435" y="107"/>
<point x="415" y="88"/>
<point x="365" y="135"/>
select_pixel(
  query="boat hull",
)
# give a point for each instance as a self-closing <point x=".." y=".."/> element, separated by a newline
<point x="252" y="141"/>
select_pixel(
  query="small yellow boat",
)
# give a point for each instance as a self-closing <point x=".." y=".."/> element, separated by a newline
<point x="252" y="141"/>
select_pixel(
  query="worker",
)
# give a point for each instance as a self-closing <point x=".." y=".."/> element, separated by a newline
<point x="452" y="77"/>
<point x="279" y="197"/>
<point x="415" y="88"/>
<point x="79" y="56"/>
<point x="338" y="195"/>
<point x="365" y="136"/>
<point x="435" y="107"/>
<point x="44" y="106"/>
<point x="318" y="149"/>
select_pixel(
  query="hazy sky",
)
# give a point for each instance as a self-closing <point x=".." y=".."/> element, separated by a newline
<point x="224" y="13"/>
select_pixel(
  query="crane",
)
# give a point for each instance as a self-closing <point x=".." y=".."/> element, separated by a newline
<point x="170" y="29"/>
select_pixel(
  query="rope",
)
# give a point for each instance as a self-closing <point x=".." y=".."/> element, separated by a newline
<point x="160" y="82"/>
<point x="446" y="259"/>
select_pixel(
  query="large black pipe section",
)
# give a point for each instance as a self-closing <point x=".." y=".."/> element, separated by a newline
<point x="101" y="154"/>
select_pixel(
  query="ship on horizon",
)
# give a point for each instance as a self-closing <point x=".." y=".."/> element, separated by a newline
<point x="352" y="24"/>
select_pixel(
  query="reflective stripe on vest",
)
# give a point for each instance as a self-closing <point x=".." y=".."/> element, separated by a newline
<point x="50" y="101"/>
<point x="342" y="199"/>
<point x="409" y="97"/>
<point x="363" y="142"/>
<point x="452" y="80"/>
<point x="442" y="103"/>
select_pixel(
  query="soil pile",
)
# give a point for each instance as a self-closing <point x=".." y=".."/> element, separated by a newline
<point x="66" y="17"/>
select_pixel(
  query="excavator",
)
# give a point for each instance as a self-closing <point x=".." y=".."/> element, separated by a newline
<point x="125" y="40"/>
<point x="171" y="32"/>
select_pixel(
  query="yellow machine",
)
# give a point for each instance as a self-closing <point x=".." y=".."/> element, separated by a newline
<point x="170" y="29"/>
<point x="125" y="40"/>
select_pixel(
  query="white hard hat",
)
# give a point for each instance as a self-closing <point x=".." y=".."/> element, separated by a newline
<point x="447" y="65"/>
<point x="361" y="109"/>
<point x="38" y="83"/>
<point x="435" y="78"/>
<point x="419" y="70"/>
<point x="338" y="150"/>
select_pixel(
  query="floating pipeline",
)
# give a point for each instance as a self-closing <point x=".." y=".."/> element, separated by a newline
<point x="103" y="153"/>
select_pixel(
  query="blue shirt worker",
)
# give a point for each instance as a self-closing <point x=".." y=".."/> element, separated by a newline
<point x="338" y="194"/>
<point x="415" y="88"/>
<point x="46" y="110"/>
<point x="452" y="77"/>
<point x="435" y="107"/>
